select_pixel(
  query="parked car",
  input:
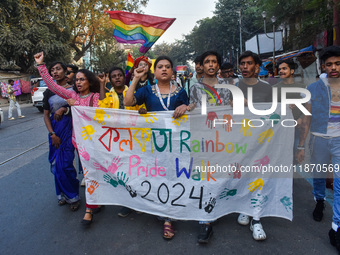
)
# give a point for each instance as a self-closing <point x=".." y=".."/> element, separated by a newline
<point x="38" y="87"/>
<point x="1" y="116"/>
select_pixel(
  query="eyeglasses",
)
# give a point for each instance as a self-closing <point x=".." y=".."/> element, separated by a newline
<point x="142" y="64"/>
<point x="81" y="79"/>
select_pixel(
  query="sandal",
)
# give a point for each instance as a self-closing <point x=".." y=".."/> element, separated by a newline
<point x="258" y="232"/>
<point x="75" y="206"/>
<point x="87" y="222"/>
<point x="61" y="202"/>
<point x="243" y="219"/>
<point x="168" y="231"/>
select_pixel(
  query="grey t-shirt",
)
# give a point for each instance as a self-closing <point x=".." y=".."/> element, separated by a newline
<point x="262" y="92"/>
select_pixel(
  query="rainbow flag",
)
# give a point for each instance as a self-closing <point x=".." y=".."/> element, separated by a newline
<point x="134" y="28"/>
<point x="129" y="63"/>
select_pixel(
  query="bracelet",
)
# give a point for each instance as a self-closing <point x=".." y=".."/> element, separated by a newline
<point x="300" y="147"/>
<point x="52" y="133"/>
<point x="68" y="111"/>
<point x="43" y="63"/>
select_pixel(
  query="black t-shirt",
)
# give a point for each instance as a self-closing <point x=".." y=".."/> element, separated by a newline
<point x="47" y="94"/>
<point x="53" y="102"/>
<point x="121" y="100"/>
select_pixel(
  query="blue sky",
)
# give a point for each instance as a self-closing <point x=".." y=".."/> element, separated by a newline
<point x="186" y="12"/>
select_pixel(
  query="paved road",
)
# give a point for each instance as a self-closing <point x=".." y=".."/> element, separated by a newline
<point x="32" y="222"/>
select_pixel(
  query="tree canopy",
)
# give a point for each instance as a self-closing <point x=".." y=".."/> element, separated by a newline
<point x="301" y="21"/>
<point x="64" y="29"/>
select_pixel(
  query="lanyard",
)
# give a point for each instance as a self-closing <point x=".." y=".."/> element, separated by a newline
<point x="160" y="97"/>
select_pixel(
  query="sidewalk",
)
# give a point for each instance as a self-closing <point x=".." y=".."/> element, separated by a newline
<point x="4" y="101"/>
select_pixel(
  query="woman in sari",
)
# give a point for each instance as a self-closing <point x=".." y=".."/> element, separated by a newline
<point x="58" y="121"/>
<point x="85" y="93"/>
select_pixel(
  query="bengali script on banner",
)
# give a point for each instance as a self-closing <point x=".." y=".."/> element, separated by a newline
<point x="197" y="167"/>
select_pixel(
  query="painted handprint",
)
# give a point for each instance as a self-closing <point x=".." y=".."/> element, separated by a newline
<point x="287" y="203"/>
<point x="84" y="116"/>
<point x="82" y="152"/>
<point x="132" y="192"/>
<point x="261" y="162"/>
<point x="112" y="168"/>
<point x="114" y="165"/>
<point x="178" y="121"/>
<point x="211" y="205"/>
<point x="132" y="120"/>
<point x="111" y="180"/>
<point x="92" y="187"/>
<point x="258" y="201"/>
<point x="149" y="117"/>
<point x="265" y="135"/>
<point x="210" y="119"/>
<point x="257" y="184"/>
<point x="228" y="126"/>
<point x="99" y="116"/>
<point x="275" y="118"/>
<point x="100" y="167"/>
<point x="228" y="193"/>
<point x="245" y="128"/>
<point x="87" y="132"/>
<point x="237" y="172"/>
<point x="121" y="178"/>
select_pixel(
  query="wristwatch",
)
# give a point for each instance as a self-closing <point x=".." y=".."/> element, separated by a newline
<point x="51" y="133"/>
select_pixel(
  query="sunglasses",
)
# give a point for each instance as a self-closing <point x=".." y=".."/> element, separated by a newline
<point x="69" y="72"/>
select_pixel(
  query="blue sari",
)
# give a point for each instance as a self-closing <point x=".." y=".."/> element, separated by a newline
<point x="61" y="159"/>
<point x="148" y="95"/>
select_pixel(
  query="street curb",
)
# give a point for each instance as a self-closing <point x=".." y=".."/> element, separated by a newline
<point x="4" y="102"/>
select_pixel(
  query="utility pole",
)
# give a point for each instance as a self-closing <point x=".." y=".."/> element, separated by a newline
<point x="264" y="15"/>
<point x="336" y="25"/>
<point x="240" y="21"/>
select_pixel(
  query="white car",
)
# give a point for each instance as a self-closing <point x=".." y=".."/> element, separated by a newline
<point x="38" y="88"/>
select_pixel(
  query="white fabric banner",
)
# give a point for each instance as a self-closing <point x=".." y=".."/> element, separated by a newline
<point x="197" y="167"/>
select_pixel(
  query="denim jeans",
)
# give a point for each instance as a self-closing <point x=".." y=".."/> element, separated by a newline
<point x="296" y="143"/>
<point x="322" y="150"/>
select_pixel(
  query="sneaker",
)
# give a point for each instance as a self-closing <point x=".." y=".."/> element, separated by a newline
<point x="124" y="212"/>
<point x="22" y="116"/>
<point x="334" y="238"/>
<point x="331" y="235"/>
<point x="205" y="233"/>
<point x="243" y="219"/>
<point x="258" y="232"/>
<point x="318" y="211"/>
<point x="12" y="118"/>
